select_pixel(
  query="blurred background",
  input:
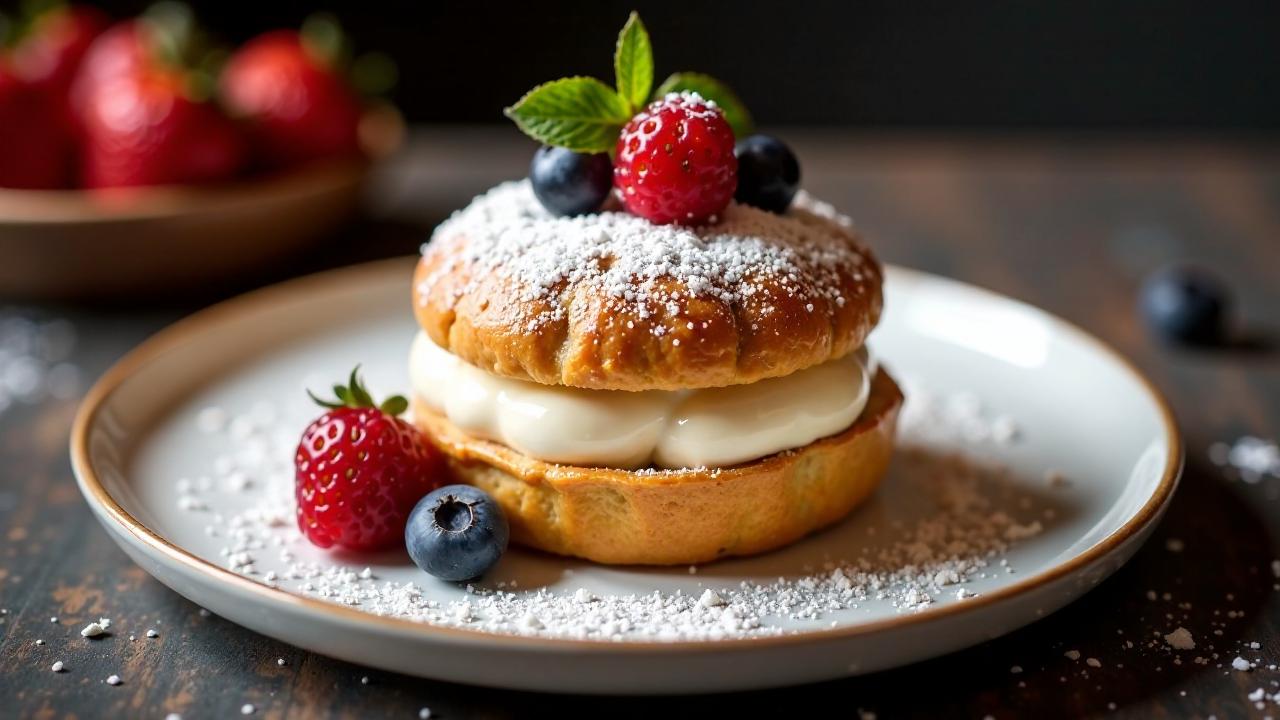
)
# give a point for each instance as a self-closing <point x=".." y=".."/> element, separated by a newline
<point x="878" y="98"/>
<point x="1114" y="162"/>
<point x="1135" y="65"/>
<point x="951" y="132"/>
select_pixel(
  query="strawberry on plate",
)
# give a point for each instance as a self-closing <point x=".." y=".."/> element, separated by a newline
<point x="298" y="106"/>
<point x="360" y="471"/>
<point x="35" y="147"/>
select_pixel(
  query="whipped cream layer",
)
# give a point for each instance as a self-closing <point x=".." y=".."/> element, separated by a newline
<point x="714" y="427"/>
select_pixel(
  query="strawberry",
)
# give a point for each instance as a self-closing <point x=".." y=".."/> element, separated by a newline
<point x="123" y="50"/>
<point x="360" y="471"/>
<point x="35" y="147"/>
<point x="141" y="116"/>
<point x="145" y="129"/>
<point x="674" y="161"/>
<point x="298" y="107"/>
<point x="49" y="53"/>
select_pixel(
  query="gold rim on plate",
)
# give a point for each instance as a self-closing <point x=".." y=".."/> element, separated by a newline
<point x="177" y="333"/>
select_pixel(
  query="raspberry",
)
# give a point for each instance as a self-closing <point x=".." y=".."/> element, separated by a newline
<point x="675" y="162"/>
<point x="360" y="470"/>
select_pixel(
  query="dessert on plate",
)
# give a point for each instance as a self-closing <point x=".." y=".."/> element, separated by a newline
<point x="636" y="393"/>
<point x="636" y="366"/>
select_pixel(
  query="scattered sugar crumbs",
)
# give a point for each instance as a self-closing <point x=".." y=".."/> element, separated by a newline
<point x="977" y="513"/>
<point x="1168" y="642"/>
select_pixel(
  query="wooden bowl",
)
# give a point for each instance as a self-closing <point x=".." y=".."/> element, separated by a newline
<point x="134" y="242"/>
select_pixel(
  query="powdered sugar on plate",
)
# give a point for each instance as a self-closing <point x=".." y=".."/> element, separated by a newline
<point x="955" y="418"/>
<point x="971" y="514"/>
<point x="506" y="235"/>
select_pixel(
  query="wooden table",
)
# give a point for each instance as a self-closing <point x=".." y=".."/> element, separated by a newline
<point x="1068" y="224"/>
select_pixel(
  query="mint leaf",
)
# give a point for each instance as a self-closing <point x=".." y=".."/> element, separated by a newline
<point x="578" y="113"/>
<point x="633" y="63"/>
<point x="735" y="111"/>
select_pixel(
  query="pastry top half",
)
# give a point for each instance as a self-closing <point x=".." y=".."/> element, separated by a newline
<point x="611" y="301"/>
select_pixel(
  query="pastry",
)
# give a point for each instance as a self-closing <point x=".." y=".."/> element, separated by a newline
<point x="653" y="394"/>
<point x="653" y="350"/>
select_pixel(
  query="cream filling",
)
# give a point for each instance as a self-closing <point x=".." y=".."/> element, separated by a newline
<point x="713" y="427"/>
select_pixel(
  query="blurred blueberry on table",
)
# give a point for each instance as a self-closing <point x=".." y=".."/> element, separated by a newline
<point x="768" y="173"/>
<point x="1187" y="305"/>
<point x="568" y="183"/>
<point x="456" y="533"/>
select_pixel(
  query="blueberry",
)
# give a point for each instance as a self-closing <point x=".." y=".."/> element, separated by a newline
<point x="1187" y="305"/>
<point x="456" y="533"/>
<point x="570" y="183"/>
<point x="768" y="173"/>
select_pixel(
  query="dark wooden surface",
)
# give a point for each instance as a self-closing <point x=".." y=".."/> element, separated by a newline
<point x="1068" y="224"/>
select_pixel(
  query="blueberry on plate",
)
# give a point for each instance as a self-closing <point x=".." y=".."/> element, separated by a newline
<point x="1187" y="305"/>
<point x="768" y="173"/>
<point x="569" y="183"/>
<point x="456" y="533"/>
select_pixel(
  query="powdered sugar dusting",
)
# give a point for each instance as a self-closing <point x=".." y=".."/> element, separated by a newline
<point x="809" y="253"/>
<point x="971" y="514"/>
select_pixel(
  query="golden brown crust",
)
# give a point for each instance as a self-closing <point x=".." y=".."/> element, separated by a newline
<point x="678" y="517"/>
<point x="610" y="301"/>
<point x="699" y="341"/>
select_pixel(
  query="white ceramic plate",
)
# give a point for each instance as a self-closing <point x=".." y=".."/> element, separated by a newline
<point x="1077" y="408"/>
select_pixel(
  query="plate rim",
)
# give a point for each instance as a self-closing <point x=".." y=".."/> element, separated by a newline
<point x="176" y="333"/>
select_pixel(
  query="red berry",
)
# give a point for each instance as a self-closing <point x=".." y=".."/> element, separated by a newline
<point x="144" y="130"/>
<point x="675" y="162"/>
<point x="125" y="49"/>
<point x="35" y="146"/>
<point x="49" y="53"/>
<point x="298" y="108"/>
<point x="360" y="470"/>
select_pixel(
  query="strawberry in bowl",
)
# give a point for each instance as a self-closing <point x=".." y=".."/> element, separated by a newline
<point x="35" y="148"/>
<point x="147" y="124"/>
<point x="136" y="160"/>
<point x="295" y="103"/>
<point x="50" y="52"/>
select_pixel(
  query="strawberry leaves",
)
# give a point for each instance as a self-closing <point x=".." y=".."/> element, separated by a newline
<point x="354" y="395"/>
<point x="585" y="115"/>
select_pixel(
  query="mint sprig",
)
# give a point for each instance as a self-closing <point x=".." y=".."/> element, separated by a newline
<point x="578" y="113"/>
<point x="633" y="63"/>
<point x="585" y="115"/>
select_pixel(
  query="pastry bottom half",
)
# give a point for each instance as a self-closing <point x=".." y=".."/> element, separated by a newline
<point x="677" y="517"/>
